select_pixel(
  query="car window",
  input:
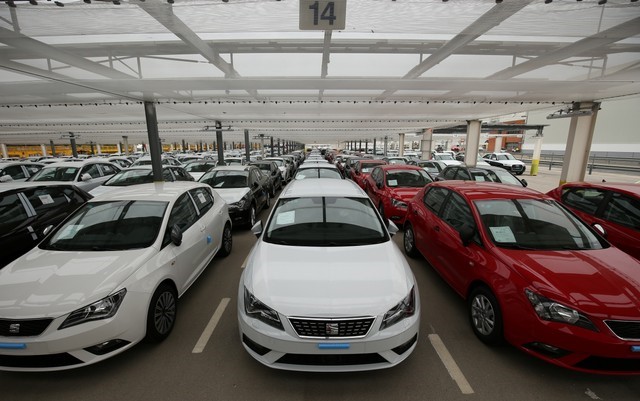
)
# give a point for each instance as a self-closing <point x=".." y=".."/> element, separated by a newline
<point x="623" y="210"/>
<point x="450" y="173"/>
<point x="226" y="179"/>
<point x="183" y="214"/>
<point x="15" y="172"/>
<point x="325" y="221"/>
<point x="407" y="178"/>
<point x="109" y="226"/>
<point x="203" y="199"/>
<point x="181" y="174"/>
<point x="585" y="199"/>
<point x="12" y="212"/>
<point x="91" y="169"/>
<point x="462" y="174"/>
<point x="434" y="198"/>
<point x="47" y="199"/>
<point x="457" y="213"/>
<point x="108" y="169"/>
<point x="56" y="174"/>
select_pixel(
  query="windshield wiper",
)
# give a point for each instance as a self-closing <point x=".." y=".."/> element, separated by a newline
<point x="513" y="245"/>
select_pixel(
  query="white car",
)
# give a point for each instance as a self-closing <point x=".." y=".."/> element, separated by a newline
<point x="446" y="158"/>
<point x="325" y="289"/>
<point x="109" y="276"/>
<point x="86" y="174"/>
<point x="506" y="161"/>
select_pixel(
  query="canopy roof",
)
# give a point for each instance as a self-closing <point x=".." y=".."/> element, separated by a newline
<point x="396" y="67"/>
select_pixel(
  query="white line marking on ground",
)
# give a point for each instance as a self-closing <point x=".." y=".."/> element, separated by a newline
<point x="450" y="364"/>
<point x="206" y="334"/>
<point x="592" y="395"/>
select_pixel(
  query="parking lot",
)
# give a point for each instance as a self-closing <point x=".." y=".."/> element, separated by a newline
<point x="204" y="359"/>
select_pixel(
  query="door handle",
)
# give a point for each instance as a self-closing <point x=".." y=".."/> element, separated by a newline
<point x="436" y="228"/>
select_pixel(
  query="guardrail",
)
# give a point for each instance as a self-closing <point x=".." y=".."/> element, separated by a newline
<point x="596" y="162"/>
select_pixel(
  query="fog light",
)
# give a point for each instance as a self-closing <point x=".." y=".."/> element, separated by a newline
<point x="107" y="346"/>
<point x="547" y="349"/>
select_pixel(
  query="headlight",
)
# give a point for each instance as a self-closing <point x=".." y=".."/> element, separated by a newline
<point x="553" y="311"/>
<point x="404" y="309"/>
<point x="398" y="204"/>
<point x="102" y="309"/>
<point x="242" y="202"/>
<point x="257" y="310"/>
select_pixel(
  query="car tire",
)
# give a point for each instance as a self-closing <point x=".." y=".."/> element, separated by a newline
<point x="267" y="202"/>
<point x="227" y="241"/>
<point x="252" y="216"/>
<point x="485" y="316"/>
<point x="409" y="241"/>
<point x="161" y="317"/>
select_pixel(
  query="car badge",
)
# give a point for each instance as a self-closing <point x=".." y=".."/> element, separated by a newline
<point x="14" y="328"/>
<point x="332" y="329"/>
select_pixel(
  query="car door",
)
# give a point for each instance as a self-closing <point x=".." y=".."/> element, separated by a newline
<point x="211" y="218"/>
<point x="188" y="257"/>
<point x="258" y="190"/>
<point x="424" y="219"/>
<point x="95" y="179"/>
<point x="374" y="184"/>
<point x="16" y="234"/>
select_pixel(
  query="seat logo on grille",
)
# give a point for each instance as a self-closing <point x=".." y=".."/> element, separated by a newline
<point x="332" y="329"/>
<point x="14" y="328"/>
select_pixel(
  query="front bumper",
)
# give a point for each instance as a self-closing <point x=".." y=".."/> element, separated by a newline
<point x="286" y="350"/>
<point x="79" y="345"/>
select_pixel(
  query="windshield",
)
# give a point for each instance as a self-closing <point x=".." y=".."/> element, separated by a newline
<point x="317" y="173"/>
<point x="325" y="221"/>
<point x="109" y="226"/>
<point x="506" y="156"/>
<point x="407" y="178"/>
<point x="445" y="156"/>
<point x="56" y="174"/>
<point x="130" y="177"/>
<point x="226" y="179"/>
<point x="534" y="224"/>
<point x="199" y="167"/>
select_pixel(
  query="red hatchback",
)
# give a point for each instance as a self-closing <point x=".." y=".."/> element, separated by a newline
<point x="391" y="186"/>
<point x="531" y="272"/>
<point x="616" y="207"/>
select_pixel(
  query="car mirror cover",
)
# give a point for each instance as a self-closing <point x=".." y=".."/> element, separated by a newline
<point x="176" y="235"/>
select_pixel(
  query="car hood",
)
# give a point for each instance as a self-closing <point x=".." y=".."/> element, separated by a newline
<point x="103" y="189"/>
<point x="53" y="283"/>
<point x="603" y="282"/>
<point x="509" y="162"/>
<point x="328" y="281"/>
<point x="404" y="194"/>
<point x="231" y="195"/>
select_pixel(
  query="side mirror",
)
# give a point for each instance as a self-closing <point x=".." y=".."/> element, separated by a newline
<point x="257" y="229"/>
<point x="393" y="229"/>
<point x="86" y="177"/>
<point x="379" y="185"/>
<point x="467" y="233"/>
<point x="176" y="235"/>
<point x="47" y="230"/>
<point x="6" y="178"/>
<point x="524" y="182"/>
<point x="600" y="229"/>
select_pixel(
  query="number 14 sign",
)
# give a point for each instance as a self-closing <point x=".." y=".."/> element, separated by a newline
<point x="322" y="14"/>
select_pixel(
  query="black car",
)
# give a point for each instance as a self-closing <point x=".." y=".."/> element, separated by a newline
<point x="244" y="188"/>
<point x="27" y="208"/>
<point x="480" y="173"/>
<point x="271" y="170"/>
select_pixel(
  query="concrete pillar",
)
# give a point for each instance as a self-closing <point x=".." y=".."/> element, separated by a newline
<point x="119" y="148"/>
<point x="247" y="145"/>
<point x="497" y="145"/>
<point x="44" y="149"/>
<point x="125" y="139"/>
<point x="474" y="127"/>
<point x="220" y="141"/>
<point x="537" y="149"/>
<point x="99" y="148"/>
<point x="426" y="144"/>
<point x="401" y="144"/>
<point x="155" y="147"/>
<point x="3" y="147"/>
<point x="74" y="148"/>
<point x="386" y="143"/>
<point x="576" y="154"/>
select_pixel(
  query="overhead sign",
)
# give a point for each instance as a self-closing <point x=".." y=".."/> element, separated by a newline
<point x="321" y="15"/>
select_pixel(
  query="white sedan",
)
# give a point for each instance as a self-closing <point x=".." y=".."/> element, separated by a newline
<point x="109" y="276"/>
<point x="325" y="288"/>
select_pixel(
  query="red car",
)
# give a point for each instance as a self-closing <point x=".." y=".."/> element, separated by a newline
<point x="531" y="272"/>
<point x="362" y="168"/>
<point x="616" y="207"/>
<point x="391" y="186"/>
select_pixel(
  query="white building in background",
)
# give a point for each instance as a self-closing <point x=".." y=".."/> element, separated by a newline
<point x="617" y="127"/>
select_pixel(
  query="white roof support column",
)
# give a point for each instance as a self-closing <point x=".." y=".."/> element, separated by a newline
<point x="3" y="147"/>
<point x="43" y="148"/>
<point x="537" y="150"/>
<point x="426" y="144"/>
<point x="579" y="141"/>
<point x="497" y="144"/>
<point x="401" y="144"/>
<point x="474" y="127"/>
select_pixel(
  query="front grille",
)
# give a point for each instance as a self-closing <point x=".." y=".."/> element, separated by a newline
<point x="23" y="328"/>
<point x="332" y="360"/>
<point x="626" y="330"/>
<point x="332" y="328"/>
<point x="596" y="363"/>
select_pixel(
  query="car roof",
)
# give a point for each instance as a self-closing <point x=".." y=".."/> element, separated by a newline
<point x="11" y="185"/>
<point x="79" y="163"/>
<point x="474" y="190"/>
<point x="164" y="191"/>
<point x="629" y="188"/>
<point x="326" y="166"/>
<point x="244" y="167"/>
<point x="400" y="167"/>
<point x="323" y="187"/>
